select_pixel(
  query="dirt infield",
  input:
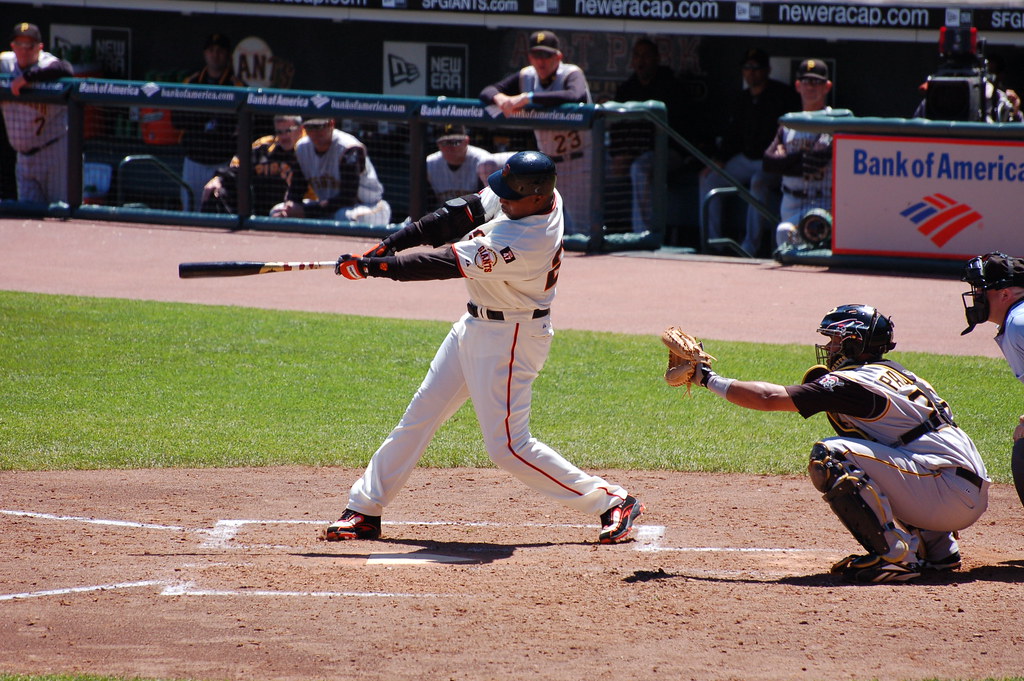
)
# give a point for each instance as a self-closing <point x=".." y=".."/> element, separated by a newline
<point x="217" y="574"/>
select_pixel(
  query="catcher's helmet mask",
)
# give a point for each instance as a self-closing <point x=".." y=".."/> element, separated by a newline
<point x="989" y="272"/>
<point x="527" y="173"/>
<point x="861" y="331"/>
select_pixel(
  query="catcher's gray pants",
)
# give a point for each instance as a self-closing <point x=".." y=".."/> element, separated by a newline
<point x="935" y="501"/>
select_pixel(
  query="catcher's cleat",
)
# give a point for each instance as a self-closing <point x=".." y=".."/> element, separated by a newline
<point x="352" y="525"/>
<point x="872" y="569"/>
<point x="617" y="521"/>
<point x="950" y="562"/>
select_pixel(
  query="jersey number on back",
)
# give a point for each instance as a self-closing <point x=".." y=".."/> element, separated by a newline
<point x="556" y="264"/>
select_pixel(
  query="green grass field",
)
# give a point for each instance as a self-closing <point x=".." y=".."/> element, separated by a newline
<point x="110" y="383"/>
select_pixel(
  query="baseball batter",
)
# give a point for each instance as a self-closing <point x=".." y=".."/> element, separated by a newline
<point x="508" y="247"/>
<point x="997" y="291"/>
<point x="549" y="81"/>
<point x="900" y="475"/>
<point x="38" y="132"/>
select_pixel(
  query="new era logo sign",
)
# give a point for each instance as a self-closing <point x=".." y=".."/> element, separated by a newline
<point x="401" y="71"/>
<point x="941" y="217"/>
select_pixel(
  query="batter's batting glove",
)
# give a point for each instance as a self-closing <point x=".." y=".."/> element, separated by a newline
<point x="381" y="250"/>
<point x="350" y="267"/>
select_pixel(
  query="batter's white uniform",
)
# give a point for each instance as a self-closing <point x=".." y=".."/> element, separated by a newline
<point x="570" y="149"/>
<point x="923" y="478"/>
<point x="38" y="132"/>
<point x="451" y="183"/>
<point x="511" y="269"/>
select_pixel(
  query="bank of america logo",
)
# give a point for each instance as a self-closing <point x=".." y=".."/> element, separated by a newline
<point x="940" y="217"/>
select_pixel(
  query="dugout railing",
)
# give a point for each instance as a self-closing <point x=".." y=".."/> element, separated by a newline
<point x="126" y="156"/>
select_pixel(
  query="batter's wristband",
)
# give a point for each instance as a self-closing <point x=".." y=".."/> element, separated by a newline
<point x="719" y="385"/>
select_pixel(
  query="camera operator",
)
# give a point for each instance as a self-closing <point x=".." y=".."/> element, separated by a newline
<point x="963" y="89"/>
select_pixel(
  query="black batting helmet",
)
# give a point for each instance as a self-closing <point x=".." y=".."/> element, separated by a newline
<point x="527" y="173"/>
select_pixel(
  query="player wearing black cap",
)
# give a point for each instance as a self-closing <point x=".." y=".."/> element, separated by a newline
<point x="549" y="81"/>
<point x="452" y="169"/>
<point x="209" y="137"/>
<point x="38" y="132"/>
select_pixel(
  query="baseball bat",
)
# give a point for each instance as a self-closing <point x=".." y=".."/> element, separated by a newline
<point x="241" y="268"/>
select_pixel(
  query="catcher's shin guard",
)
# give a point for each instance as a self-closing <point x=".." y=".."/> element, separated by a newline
<point x="861" y="506"/>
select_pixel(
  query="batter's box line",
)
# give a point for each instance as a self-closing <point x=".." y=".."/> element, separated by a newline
<point x="176" y="588"/>
<point x="226" y="530"/>
<point x="648" y="537"/>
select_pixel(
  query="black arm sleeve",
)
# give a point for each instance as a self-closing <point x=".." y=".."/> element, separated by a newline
<point x="447" y="223"/>
<point x="509" y="85"/>
<point x="54" y="70"/>
<point x="426" y="266"/>
<point x="846" y="397"/>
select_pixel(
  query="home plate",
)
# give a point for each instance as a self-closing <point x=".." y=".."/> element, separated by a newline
<point x="413" y="559"/>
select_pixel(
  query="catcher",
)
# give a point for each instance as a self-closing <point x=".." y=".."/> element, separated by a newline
<point x="900" y="475"/>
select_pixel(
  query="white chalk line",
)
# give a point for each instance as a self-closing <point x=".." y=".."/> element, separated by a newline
<point x="648" y="538"/>
<point x="97" y="521"/>
<point x="190" y="589"/>
<point x="81" y="589"/>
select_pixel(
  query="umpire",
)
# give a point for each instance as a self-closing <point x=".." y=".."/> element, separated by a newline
<point x="997" y="291"/>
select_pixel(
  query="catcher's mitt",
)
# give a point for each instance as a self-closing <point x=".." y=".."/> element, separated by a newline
<point x="685" y="354"/>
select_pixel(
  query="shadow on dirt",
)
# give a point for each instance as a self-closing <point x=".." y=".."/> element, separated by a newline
<point x="468" y="553"/>
<point x="1009" y="572"/>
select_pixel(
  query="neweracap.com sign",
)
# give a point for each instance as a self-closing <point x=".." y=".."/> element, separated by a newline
<point x="926" y="197"/>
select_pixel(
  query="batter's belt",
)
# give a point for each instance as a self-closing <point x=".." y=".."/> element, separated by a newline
<point x="499" y="316"/>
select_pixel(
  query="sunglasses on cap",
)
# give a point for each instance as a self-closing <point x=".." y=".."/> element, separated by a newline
<point x="454" y="142"/>
<point x="315" y="126"/>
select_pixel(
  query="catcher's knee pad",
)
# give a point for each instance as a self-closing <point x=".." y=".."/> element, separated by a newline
<point x="825" y="467"/>
<point x="859" y="504"/>
<point x="858" y="517"/>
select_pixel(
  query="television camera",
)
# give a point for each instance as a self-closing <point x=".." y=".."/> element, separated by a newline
<point x="962" y="89"/>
